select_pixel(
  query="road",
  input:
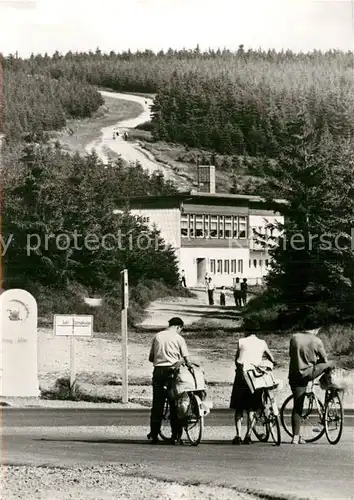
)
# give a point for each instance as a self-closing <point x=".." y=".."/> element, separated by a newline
<point x="130" y="151"/>
<point x="40" y="436"/>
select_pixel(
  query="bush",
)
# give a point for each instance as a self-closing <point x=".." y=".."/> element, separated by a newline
<point x="147" y="126"/>
<point x="339" y="343"/>
<point x="268" y="312"/>
<point x="263" y="312"/>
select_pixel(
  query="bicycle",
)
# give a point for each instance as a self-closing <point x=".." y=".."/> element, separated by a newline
<point x="317" y="418"/>
<point x="266" y="422"/>
<point x="193" y="422"/>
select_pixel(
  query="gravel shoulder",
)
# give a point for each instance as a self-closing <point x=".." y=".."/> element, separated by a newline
<point x="108" y="482"/>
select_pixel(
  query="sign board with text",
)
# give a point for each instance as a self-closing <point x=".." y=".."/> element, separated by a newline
<point x="73" y="325"/>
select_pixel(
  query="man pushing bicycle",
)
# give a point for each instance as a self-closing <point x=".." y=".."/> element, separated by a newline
<point x="168" y="349"/>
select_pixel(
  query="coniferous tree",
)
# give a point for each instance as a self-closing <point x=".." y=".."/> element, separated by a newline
<point x="312" y="267"/>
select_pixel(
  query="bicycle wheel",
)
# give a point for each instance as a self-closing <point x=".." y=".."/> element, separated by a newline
<point x="165" y="431"/>
<point x="195" y="422"/>
<point x="333" y="418"/>
<point x="260" y="428"/>
<point x="312" y="427"/>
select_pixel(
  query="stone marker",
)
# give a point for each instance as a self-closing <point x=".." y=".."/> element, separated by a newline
<point x="18" y="344"/>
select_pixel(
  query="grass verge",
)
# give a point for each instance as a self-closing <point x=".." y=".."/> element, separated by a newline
<point x="183" y="160"/>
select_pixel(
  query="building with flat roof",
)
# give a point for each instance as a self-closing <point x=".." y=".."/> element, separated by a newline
<point x="212" y="233"/>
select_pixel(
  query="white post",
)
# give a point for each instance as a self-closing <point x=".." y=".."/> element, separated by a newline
<point x="72" y="361"/>
<point x="124" y="326"/>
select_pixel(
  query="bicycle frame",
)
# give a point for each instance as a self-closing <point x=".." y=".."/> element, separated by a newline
<point x="310" y="391"/>
<point x="272" y="398"/>
<point x="330" y="392"/>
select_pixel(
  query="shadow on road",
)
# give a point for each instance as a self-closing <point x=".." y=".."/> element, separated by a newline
<point x="220" y="313"/>
<point x="144" y="442"/>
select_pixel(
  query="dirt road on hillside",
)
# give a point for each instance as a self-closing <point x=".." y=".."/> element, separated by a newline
<point x="129" y="151"/>
<point x="191" y="310"/>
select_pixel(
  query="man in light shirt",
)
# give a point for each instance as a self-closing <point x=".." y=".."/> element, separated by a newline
<point x="237" y="293"/>
<point x="210" y="291"/>
<point x="168" y="349"/>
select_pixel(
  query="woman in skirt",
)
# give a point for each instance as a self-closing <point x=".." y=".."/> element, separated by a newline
<point x="250" y="351"/>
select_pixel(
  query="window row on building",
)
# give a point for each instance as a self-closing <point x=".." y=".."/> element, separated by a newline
<point x="213" y="226"/>
<point x="260" y="263"/>
<point x="220" y="266"/>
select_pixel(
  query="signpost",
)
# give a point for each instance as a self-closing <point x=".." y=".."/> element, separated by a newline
<point x="124" y="326"/>
<point x="73" y="326"/>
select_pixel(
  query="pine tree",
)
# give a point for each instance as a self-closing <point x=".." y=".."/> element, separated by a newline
<point x="312" y="268"/>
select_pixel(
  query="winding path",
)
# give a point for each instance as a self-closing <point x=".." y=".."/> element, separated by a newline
<point x="129" y="151"/>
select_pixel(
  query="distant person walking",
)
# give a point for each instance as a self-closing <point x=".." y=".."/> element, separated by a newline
<point x="183" y="278"/>
<point x="244" y="290"/>
<point x="210" y="291"/>
<point x="125" y="136"/>
<point x="237" y="292"/>
<point x="223" y="296"/>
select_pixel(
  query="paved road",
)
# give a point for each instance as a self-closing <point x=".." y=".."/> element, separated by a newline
<point x="51" y="417"/>
<point x="66" y="437"/>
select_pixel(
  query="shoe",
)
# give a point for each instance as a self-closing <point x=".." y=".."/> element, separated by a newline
<point x="154" y="439"/>
<point x="299" y="440"/>
<point x="237" y="440"/>
<point x="177" y="441"/>
<point x="247" y="440"/>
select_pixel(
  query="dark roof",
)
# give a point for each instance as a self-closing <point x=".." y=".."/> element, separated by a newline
<point x="246" y="197"/>
<point x="194" y="196"/>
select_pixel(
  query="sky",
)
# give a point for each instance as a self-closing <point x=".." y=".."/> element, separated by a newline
<point x="47" y="25"/>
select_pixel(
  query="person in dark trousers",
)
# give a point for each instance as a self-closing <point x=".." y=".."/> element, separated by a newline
<point x="210" y="290"/>
<point x="308" y="360"/>
<point x="223" y="296"/>
<point x="244" y="289"/>
<point x="183" y="278"/>
<point x="168" y="348"/>
<point x="237" y="293"/>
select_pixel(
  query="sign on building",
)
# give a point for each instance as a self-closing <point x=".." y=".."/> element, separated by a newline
<point x="73" y="325"/>
<point x="18" y="343"/>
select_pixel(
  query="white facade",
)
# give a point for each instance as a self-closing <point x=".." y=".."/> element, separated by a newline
<point x="258" y="256"/>
<point x="223" y="259"/>
<point x="167" y="220"/>
<point x="221" y="264"/>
